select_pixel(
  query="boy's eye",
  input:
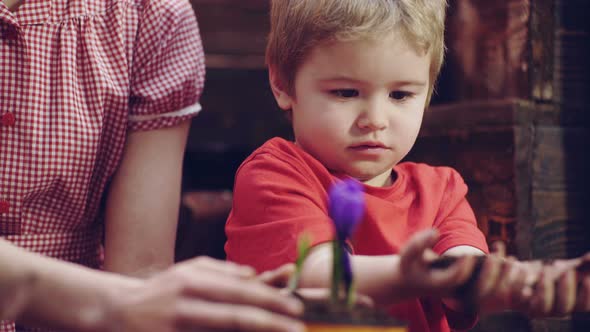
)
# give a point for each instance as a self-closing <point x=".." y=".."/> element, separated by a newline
<point x="345" y="93"/>
<point x="400" y="95"/>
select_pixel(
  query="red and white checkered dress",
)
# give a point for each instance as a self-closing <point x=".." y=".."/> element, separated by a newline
<point x="75" y="77"/>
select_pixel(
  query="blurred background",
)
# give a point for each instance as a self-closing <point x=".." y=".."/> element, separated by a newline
<point x="510" y="114"/>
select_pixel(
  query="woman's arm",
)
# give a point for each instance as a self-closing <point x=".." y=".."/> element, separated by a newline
<point x="47" y="292"/>
<point x="201" y="294"/>
<point x="143" y="202"/>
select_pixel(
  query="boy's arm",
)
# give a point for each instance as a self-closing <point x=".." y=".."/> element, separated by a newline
<point x="392" y="278"/>
<point x="143" y="202"/>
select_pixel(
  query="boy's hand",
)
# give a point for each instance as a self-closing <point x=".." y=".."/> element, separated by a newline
<point x="530" y="287"/>
<point x="535" y="288"/>
<point x="562" y="287"/>
<point x="583" y="284"/>
<point x="418" y="277"/>
<point x="502" y="285"/>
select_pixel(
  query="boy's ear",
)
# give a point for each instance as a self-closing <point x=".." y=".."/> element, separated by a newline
<point x="278" y="90"/>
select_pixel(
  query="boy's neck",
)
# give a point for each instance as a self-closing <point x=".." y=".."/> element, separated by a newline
<point x="12" y="4"/>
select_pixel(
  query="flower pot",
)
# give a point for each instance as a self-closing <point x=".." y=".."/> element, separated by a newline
<point x="323" y="316"/>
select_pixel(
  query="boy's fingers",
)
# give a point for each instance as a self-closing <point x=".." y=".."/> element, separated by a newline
<point x="507" y="279"/>
<point x="449" y="279"/>
<point x="583" y="294"/>
<point x="415" y="248"/>
<point x="543" y="295"/>
<point x="428" y="255"/>
<point x="521" y="293"/>
<point x="490" y="271"/>
<point x="584" y="264"/>
<point x="494" y="292"/>
<point x="565" y="293"/>
<point x="499" y="248"/>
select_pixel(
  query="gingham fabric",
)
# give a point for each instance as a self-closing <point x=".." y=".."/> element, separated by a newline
<point x="75" y="77"/>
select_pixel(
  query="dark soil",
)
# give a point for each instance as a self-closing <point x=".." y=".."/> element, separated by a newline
<point x="324" y="312"/>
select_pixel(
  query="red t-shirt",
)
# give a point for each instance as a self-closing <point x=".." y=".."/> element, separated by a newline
<point x="281" y="192"/>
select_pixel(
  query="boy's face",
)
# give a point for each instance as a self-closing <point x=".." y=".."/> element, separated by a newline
<point x="358" y="105"/>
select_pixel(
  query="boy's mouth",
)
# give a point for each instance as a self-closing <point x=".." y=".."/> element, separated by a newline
<point x="368" y="145"/>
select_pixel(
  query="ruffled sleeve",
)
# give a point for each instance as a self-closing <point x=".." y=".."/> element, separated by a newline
<point x="168" y="69"/>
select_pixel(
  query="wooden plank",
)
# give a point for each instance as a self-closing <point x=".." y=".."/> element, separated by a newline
<point x="486" y="115"/>
<point x="552" y="206"/>
<point x="560" y="159"/>
<point x="560" y="228"/>
<point x="485" y="159"/>
<point x="572" y="50"/>
<point x="523" y="142"/>
<point x="542" y="39"/>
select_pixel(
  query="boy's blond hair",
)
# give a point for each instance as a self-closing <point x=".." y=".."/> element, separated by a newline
<point x="297" y="26"/>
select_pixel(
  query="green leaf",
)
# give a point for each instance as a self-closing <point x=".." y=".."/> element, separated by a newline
<point x="303" y="248"/>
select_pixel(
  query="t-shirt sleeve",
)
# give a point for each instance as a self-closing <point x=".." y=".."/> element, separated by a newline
<point x="455" y="220"/>
<point x="275" y="202"/>
<point x="457" y="226"/>
<point x="168" y="70"/>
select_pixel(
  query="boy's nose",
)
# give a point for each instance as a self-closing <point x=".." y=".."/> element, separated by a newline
<point x="373" y="117"/>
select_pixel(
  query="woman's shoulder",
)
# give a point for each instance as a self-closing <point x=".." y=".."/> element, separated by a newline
<point x="68" y="9"/>
<point x="164" y="7"/>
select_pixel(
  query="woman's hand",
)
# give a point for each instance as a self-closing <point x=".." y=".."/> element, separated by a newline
<point x="206" y="295"/>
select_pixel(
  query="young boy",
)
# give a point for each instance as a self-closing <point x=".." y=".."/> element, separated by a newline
<point x="355" y="77"/>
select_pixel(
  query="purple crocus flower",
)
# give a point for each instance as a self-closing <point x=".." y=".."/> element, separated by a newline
<point x="347" y="207"/>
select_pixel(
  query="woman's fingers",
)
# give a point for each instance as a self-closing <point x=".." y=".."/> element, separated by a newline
<point x="204" y="263"/>
<point x="213" y="316"/>
<point x="204" y="296"/>
<point x="278" y="277"/>
<point x="226" y="288"/>
<point x="13" y="302"/>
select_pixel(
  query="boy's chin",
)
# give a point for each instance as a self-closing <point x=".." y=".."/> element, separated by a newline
<point x="376" y="178"/>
